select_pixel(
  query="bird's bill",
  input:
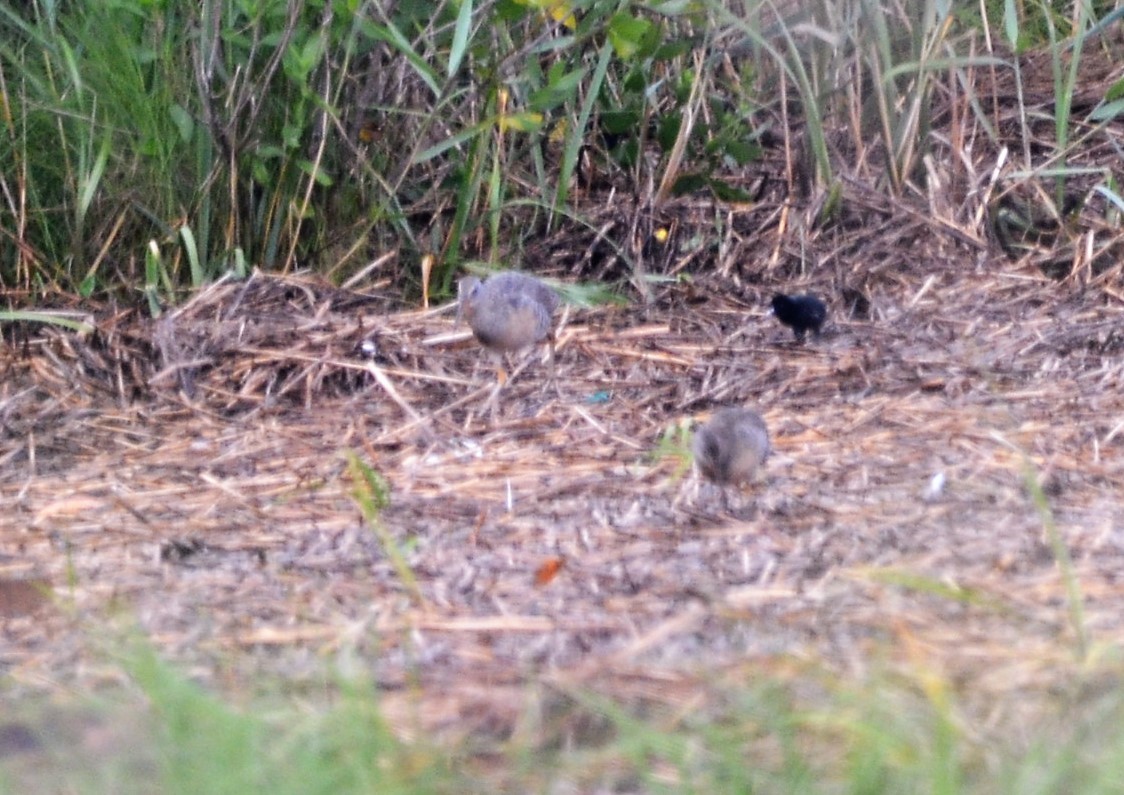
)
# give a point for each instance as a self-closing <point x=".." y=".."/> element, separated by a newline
<point x="465" y="288"/>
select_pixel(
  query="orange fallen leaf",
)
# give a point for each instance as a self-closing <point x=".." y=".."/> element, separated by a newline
<point x="548" y="570"/>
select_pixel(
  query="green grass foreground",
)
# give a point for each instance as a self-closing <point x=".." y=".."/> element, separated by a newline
<point x="808" y="732"/>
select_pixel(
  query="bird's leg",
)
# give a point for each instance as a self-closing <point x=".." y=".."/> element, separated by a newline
<point x="501" y="368"/>
<point x="503" y="377"/>
<point x="726" y="500"/>
<point x="552" y="340"/>
<point x="493" y="404"/>
<point x="745" y="506"/>
<point x="526" y="360"/>
<point x="551" y="379"/>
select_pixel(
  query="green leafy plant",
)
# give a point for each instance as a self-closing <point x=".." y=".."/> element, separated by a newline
<point x="372" y="495"/>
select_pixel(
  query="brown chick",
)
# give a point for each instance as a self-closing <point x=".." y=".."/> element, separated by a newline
<point x="508" y="312"/>
<point x="731" y="446"/>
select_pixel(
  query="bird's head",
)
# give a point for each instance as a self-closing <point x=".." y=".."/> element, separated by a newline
<point x="467" y="288"/>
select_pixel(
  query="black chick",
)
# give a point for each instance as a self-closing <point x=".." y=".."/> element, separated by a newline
<point x="801" y="312"/>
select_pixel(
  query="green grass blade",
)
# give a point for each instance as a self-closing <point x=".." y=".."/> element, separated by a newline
<point x="460" y="37"/>
<point x="388" y="33"/>
<point x="91" y="179"/>
<point x="1074" y="599"/>
<point x="198" y="276"/>
<point x="576" y="135"/>
<point x="50" y="318"/>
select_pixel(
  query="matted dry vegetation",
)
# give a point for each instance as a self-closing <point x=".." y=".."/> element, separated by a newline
<point x="189" y="473"/>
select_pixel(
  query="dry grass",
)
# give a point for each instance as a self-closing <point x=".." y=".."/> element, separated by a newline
<point x="190" y="473"/>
